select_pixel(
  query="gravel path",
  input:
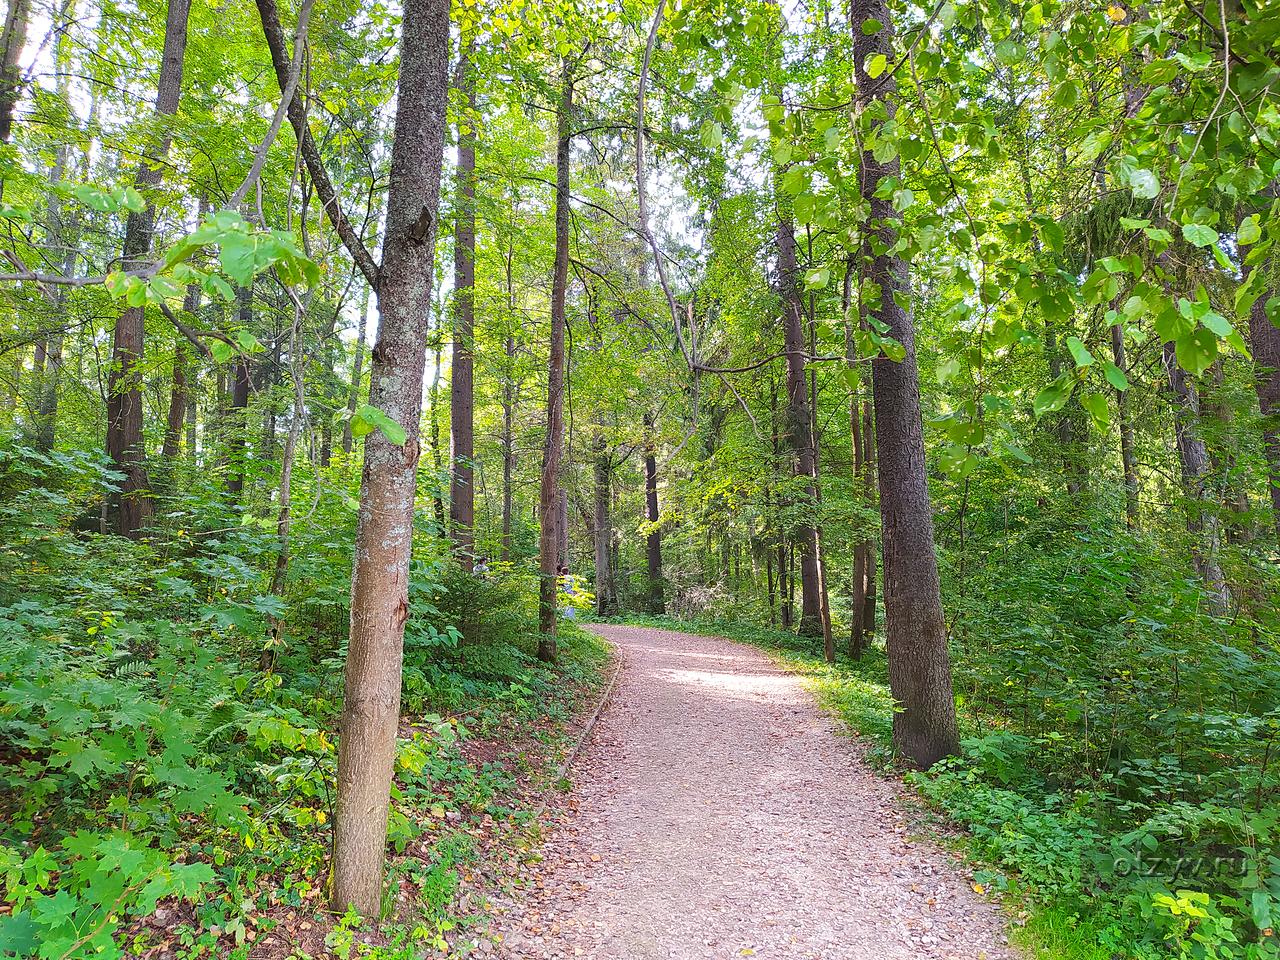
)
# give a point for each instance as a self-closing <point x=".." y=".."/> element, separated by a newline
<point x="716" y="813"/>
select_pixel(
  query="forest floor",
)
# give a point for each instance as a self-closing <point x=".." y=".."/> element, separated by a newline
<point x="717" y="813"/>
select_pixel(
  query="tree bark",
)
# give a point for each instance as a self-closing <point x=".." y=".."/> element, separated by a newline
<point x="1193" y="459"/>
<point x="1128" y="455"/>
<point x="548" y="538"/>
<point x="924" y="724"/>
<point x="462" y="505"/>
<point x="357" y="372"/>
<point x="11" y="43"/>
<point x="178" y="392"/>
<point x="653" y="540"/>
<point x="606" y="593"/>
<point x="384" y="532"/>
<point x="1264" y="339"/>
<point x="133" y="504"/>
<point x="236" y="425"/>
<point x="797" y="430"/>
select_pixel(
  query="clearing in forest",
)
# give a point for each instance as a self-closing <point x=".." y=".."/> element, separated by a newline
<point x="716" y="813"/>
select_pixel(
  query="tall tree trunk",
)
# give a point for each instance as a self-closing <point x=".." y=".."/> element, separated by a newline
<point x="797" y="432"/>
<point x="236" y="425"/>
<point x="180" y="388"/>
<point x="433" y="417"/>
<point x="924" y="723"/>
<point x="384" y="534"/>
<point x="462" y="504"/>
<point x="653" y="540"/>
<point x="67" y="236"/>
<point x="1193" y="458"/>
<point x="357" y="372"/>
<point x="508" y="445"/>
<point x="124" y="394"/>
<point x="606" y="593"/>
<point x="1128" y="454"/>
<point x="548" y="539"/>
<point x="11" y="43"/>
<point x="1264" y="338"/>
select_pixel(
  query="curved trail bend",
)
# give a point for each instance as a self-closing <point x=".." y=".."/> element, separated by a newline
<point x="718" y="814"/>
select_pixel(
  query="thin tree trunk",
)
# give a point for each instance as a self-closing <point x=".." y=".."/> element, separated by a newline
<point x="67" y="236"/>
<point x="180" y="387"/>
<point x="384" y="534"/>
<point x="433" y="417"/>
<point x="924" y="723"/>
<point x="236" y="425"/>
<point x="1128" y="455"/>
<point x="508" y="447"/>
<point x="357" y="372"/>
<point x="797" y="432"/>
<point x="606" y="594"/>
<point x="1193" y="458"/>
<point x="653" y="540"/>
<point x="124" y="394"/>
<point x="548" y="539"/>
<point x="1264" y="339"/>
<point x="462" y="506"/>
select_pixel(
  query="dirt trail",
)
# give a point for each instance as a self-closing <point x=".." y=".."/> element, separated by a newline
<point x="716" y="813"/>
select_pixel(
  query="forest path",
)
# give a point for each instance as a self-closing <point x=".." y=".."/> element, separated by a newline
<point x="717" y="813"/>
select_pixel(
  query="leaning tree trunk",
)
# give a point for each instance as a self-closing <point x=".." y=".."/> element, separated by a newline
<point x="924" y="723"/>
<point x="797" y="430"/>
<point x="124" y="393"/>
<point x="548" y="500"/>
<point x="462" y="498"/>
<point x="384" y="532"/>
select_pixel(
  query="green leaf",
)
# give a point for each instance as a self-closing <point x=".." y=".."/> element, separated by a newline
<point x="871" y="26"/>
<point x="248" y="342"/>
<point x="1053" y="397"/>
<point x="237" y="257"/>
<point x="711" y="135"/>
<point x="222" y="351"/>
<point x="1115" y="376"/>
<point x="876" y="64"/>
<point x="1199" y="235"/>
<point x="817" y="278"/>
<point x="1095" y="404"/>
<point x="1249" y="231"/>
<point x="1079" y="352"/>
<point x="132" y="200"/>
<point x="1144" y="184"/>
<point x="902" y="199"/>
<point x="1196" y="351"/>
<point x="373" y="418"/>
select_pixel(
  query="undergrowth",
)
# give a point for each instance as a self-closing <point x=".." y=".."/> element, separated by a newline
<point x="167" y="726"/>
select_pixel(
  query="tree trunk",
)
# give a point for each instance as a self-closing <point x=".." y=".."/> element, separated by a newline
<point x="178" y="393"/>
<point x="1128" y="455"/>
<point x="433" y="417"/>
<point x="924" y="724"/>
<point x="797" y="432"/>
<point x="11" y="43"/>
<point x="236" y="425"/>
<point x="508" y="447"/>
<point x="384" y="534"/>
<point x="548" y="538"/>
<point x="653" y="540"/>
<point x="133" y="503"/>
<point x="606" y="593"/>
<point x="462" y="505"/>
<point x="1193" y="458"/>
<point x="357" y="372"/>
<point x="1264" y="339"/>
<point x="67" y="236"/>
